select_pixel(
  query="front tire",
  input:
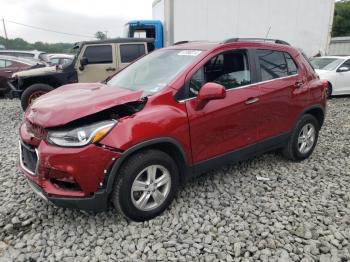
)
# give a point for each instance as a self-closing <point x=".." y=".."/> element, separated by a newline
<point x="303" y="139"/>
<point x="146" y="185"/>
<point x="33" y="92"/>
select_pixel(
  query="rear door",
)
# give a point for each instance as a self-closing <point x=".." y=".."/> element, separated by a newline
<point x="129" y="52"/>
<point x="228" y="124"/>
<point x="282" y="86"/>
<point x="102" y="62"/>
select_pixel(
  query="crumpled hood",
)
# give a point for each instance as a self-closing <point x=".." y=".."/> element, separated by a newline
<point x="36" y="71"/>
<point x="71" y="102"/>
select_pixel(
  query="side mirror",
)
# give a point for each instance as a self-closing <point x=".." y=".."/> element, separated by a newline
<point x="343" y="69"/>
<point x="209" y="91"/>
<point x="83" y="62"/>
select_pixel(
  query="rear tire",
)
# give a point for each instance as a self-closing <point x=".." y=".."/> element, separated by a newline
<point x="150" y="175"/>
<point x="303" y="139"/>
<point x="33" y="92"/>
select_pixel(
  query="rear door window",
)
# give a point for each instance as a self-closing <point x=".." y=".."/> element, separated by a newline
<point x="99" y="54"/>
<point x="131" y="52"/>
<point x="292" y="67"/>
<point x="272" y="64"/>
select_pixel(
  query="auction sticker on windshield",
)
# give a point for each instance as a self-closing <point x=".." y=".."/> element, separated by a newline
<point x="190" y="52"/>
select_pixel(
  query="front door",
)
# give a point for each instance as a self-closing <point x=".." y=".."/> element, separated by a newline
<point x="342" y="81"/>
<point x="101" y="63"/>
<point x="228" y="124"/>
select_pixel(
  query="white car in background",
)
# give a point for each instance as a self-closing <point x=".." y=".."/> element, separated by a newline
<point x="336" y="70"/>
<point x="60" y="59"/>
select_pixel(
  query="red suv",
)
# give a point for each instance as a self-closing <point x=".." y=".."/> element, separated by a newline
<point x="177" y="112"/>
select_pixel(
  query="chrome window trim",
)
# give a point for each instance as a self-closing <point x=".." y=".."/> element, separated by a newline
<point x="241" y="87"/>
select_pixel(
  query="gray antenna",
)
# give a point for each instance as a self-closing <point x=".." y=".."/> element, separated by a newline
<point x="268" y="32"/>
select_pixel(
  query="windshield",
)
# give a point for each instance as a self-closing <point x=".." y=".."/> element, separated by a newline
<point x="328" y="64"/>
<point x="153" y="72"/>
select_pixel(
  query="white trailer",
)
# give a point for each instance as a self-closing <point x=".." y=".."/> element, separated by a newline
<point x="305" y="24"/>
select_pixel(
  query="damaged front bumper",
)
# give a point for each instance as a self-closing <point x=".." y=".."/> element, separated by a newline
<point x="67" y="177"/>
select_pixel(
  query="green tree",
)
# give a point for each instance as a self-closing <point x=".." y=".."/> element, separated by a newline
<point x="20" y="44"/>
<point x="341" y="22"/>
<point x="100" y="35"/>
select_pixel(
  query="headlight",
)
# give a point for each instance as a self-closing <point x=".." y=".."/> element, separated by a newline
<point x="81" y="136"/>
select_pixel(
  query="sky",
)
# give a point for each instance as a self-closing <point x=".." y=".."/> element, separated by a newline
<point x="82" y="17"/>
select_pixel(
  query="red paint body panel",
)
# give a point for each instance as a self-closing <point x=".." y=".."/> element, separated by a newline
<point x="161" y="117"/>
<point x="223" y="125"/>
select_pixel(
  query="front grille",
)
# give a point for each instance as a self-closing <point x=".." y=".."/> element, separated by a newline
<point x="38" y="132"/>
<point x="28" y="158"/>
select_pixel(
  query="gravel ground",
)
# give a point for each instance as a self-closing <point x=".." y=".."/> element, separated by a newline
<point x="301" y="214"/>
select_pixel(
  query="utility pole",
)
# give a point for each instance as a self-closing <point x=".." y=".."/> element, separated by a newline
<point x="3" y="22"/>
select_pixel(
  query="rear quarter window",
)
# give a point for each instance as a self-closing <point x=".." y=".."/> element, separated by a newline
<point x="292" y="66"/>
<point x="131" y="52"/>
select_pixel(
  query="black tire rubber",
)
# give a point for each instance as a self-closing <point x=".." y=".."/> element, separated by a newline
<point x="30" y="90"/>
<point x="121" y="196"/>
<point x="329" y="91"/>
<point x="291" y="150"/>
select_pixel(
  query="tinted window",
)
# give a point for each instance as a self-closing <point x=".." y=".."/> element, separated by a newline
<point x="2" y="63"/>
<point x="229" y="69"/>
<point x="99" y="54"/>
<point x="292" y="67"/>
<point x="346" y="64"/>
<point x="272" y="64"/>
<point x="129" y="53"/>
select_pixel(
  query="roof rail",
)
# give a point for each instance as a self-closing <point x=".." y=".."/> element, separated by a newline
<point x="181" y="42"/>
<point x="276" y="41"/>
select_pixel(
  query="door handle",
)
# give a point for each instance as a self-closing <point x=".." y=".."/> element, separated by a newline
<point x="110" y="69"/>
<point x="298" y="84"/>
<point x="252" y="101"/>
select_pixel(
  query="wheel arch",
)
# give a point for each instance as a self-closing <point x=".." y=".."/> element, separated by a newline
<point x="27" y="82"/>
<point x="318" y="112"/>
<point x="167" y="145"/>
